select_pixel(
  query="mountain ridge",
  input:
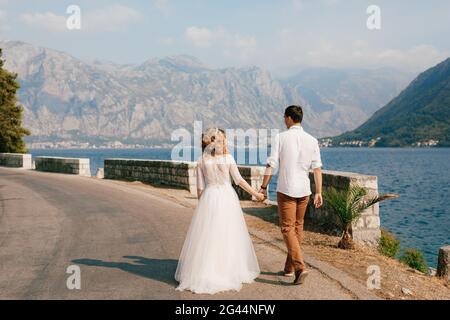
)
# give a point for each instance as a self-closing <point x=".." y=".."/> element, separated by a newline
<point x="418" y="116"/>
<point x="67" y="98"/>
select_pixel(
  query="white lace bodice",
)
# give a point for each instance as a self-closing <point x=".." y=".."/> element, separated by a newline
<point x="217" y="171"/>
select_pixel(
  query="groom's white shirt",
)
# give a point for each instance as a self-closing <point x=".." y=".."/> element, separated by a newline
<point x="294" y="152"/>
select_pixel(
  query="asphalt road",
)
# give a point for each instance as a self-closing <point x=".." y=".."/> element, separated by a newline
<point x="125" y="241"/>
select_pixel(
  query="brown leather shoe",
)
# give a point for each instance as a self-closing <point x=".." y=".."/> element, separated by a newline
<point x="300" y="276"/>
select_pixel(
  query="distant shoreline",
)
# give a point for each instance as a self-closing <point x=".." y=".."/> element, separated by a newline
<point x="165" y="147"/>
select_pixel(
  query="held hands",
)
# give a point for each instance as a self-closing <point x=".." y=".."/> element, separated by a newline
<point x="260" y="196"/>
<point x="264" y="192"/>
<point x="318" y="201"/>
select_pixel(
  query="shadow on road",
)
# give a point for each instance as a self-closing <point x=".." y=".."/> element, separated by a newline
<point x="274" y="282"/>
<point x="162" y="270"/>
<point x="7" y="199"/>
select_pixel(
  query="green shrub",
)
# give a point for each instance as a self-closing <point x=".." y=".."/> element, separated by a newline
<point x="388" y="245"/>
<point x="414" y="259"/>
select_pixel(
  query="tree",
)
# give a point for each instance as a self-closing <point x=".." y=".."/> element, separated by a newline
<point x="11" y="130"/>
<point x="348" y="206"/>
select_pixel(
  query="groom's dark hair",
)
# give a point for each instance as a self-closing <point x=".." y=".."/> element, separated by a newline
<point x="295" y="112"/>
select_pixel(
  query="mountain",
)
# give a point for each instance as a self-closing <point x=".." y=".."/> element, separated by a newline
<point x="65" y="98"/>
<point x="419" y="116"/>
<point x="346" y="98"/>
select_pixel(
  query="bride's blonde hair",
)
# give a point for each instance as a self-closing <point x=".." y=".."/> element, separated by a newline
<point x="210" y="139"/>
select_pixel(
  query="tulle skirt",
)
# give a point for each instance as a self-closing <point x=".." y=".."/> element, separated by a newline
<point x="217" y="254"/>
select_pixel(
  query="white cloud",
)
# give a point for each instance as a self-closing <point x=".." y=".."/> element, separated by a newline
<point x="417" y="58"/>
<point x="3" y="24"/>
<point x="111" y="18"/>
<point x="242" y="46"/>
<point x="294" y="50"/>
<point x="48" y="21"/>
<point x="244" y="42"/>
<point x="297" y="5"/>
<point x="331" y="2"/>
<point x="162" y="5"/>
<point x="233" y="44"/>
<point x="167" y="41"/>
<point x="199" y="37"/>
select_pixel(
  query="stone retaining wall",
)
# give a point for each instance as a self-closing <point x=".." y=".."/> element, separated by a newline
<point x="16" y="160"/>
<point x="182" y="175"/>
<point x="254" y="176"/>
<point x="368" y="228"/>
<point x="443" y="269"/>
<point x="79" y="166"/>
<point x="177" y="174"/>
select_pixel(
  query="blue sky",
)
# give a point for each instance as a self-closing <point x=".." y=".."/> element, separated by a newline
<point x="283" y="36"/>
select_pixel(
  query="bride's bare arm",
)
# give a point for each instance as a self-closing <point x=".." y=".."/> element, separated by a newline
<point x="200" y="180"/>
<point x="238" y="180"/>
<point x="244" y="185"/>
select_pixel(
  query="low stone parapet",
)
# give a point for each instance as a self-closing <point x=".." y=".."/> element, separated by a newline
<point x="78" y="166"/>
<point x="179" y="174"/>
<point x="182" y="174"/>
<point x="254" y="176"/>
<point x="100" y="173"/>
<point x="16" y="160"/>
<point x="366" y="229"/>
<point x="443" y="268"/>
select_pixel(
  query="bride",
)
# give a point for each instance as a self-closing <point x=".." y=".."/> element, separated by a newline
<point x="217" y="254"/>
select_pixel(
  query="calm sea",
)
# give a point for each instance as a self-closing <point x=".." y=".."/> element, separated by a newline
<point x="420" y="217"/>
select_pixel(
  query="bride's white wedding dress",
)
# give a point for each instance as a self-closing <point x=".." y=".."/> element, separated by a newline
<point x="217" y="254"/>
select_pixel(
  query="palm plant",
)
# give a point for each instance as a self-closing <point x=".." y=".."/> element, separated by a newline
<point x="348" y="206"/>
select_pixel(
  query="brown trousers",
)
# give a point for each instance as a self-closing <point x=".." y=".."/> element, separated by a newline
<point x="291" y="214"/>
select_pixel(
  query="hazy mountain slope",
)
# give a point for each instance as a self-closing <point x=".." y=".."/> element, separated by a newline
<point x="344" y="99"/>
<point x="67" y="98"/>
<point x="419" y="114"/>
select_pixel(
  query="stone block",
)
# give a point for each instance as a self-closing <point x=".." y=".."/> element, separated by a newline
<point x="372" y="222"/>
<point x="79" y="166"/>
<point x="16" y="160"/>
<point x="443" y="268"/>
<point x="100" y="173"/>
<point x="367" y="236"/>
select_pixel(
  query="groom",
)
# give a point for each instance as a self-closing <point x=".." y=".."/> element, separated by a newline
<point x="294" y="152"/>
